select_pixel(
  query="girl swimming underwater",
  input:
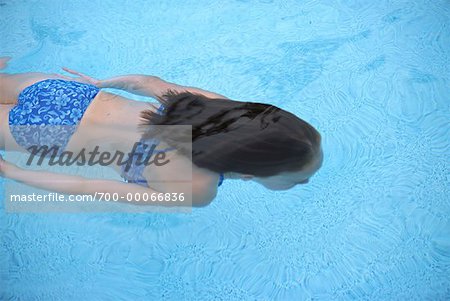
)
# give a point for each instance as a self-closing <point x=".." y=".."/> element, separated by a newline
<point x="230" y="139"/>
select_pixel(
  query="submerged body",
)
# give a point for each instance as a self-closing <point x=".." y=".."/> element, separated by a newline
<point x="227" y="131"/>
<point x="104" y="119"/>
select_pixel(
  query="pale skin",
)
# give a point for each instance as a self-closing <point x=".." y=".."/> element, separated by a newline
<point x="112" y="111"/>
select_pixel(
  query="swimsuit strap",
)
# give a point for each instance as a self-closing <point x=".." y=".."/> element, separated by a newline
<point x="160" y="109"/>
<point x="221" y="178"/>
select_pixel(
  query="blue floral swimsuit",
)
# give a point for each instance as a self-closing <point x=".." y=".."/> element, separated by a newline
<point x="48" y="113"/>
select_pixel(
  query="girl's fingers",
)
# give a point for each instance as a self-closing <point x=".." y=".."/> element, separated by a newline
<point x="82" y="77"/>
<point x="72" y="71"/>
<point x="61" y="76"/>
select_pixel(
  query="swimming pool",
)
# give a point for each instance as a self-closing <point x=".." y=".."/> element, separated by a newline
<point x="373" y="224"/>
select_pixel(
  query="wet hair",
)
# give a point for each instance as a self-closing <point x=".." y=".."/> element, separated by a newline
<point x="233" y="136"/>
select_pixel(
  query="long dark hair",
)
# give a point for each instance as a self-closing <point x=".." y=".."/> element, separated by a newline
<point x="244" y="137"/>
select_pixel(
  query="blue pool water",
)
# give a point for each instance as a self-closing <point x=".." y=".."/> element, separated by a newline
<point x="373" y="224"/>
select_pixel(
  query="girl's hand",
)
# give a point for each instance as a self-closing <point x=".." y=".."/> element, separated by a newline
<point x="82" y="78"/>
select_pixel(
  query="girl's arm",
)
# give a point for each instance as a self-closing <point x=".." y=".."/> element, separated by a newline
<point x="145" y="85"/>
<point x="72" y="184"/>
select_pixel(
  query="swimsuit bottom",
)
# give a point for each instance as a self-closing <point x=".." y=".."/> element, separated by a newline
<point x="48" y="112"/>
